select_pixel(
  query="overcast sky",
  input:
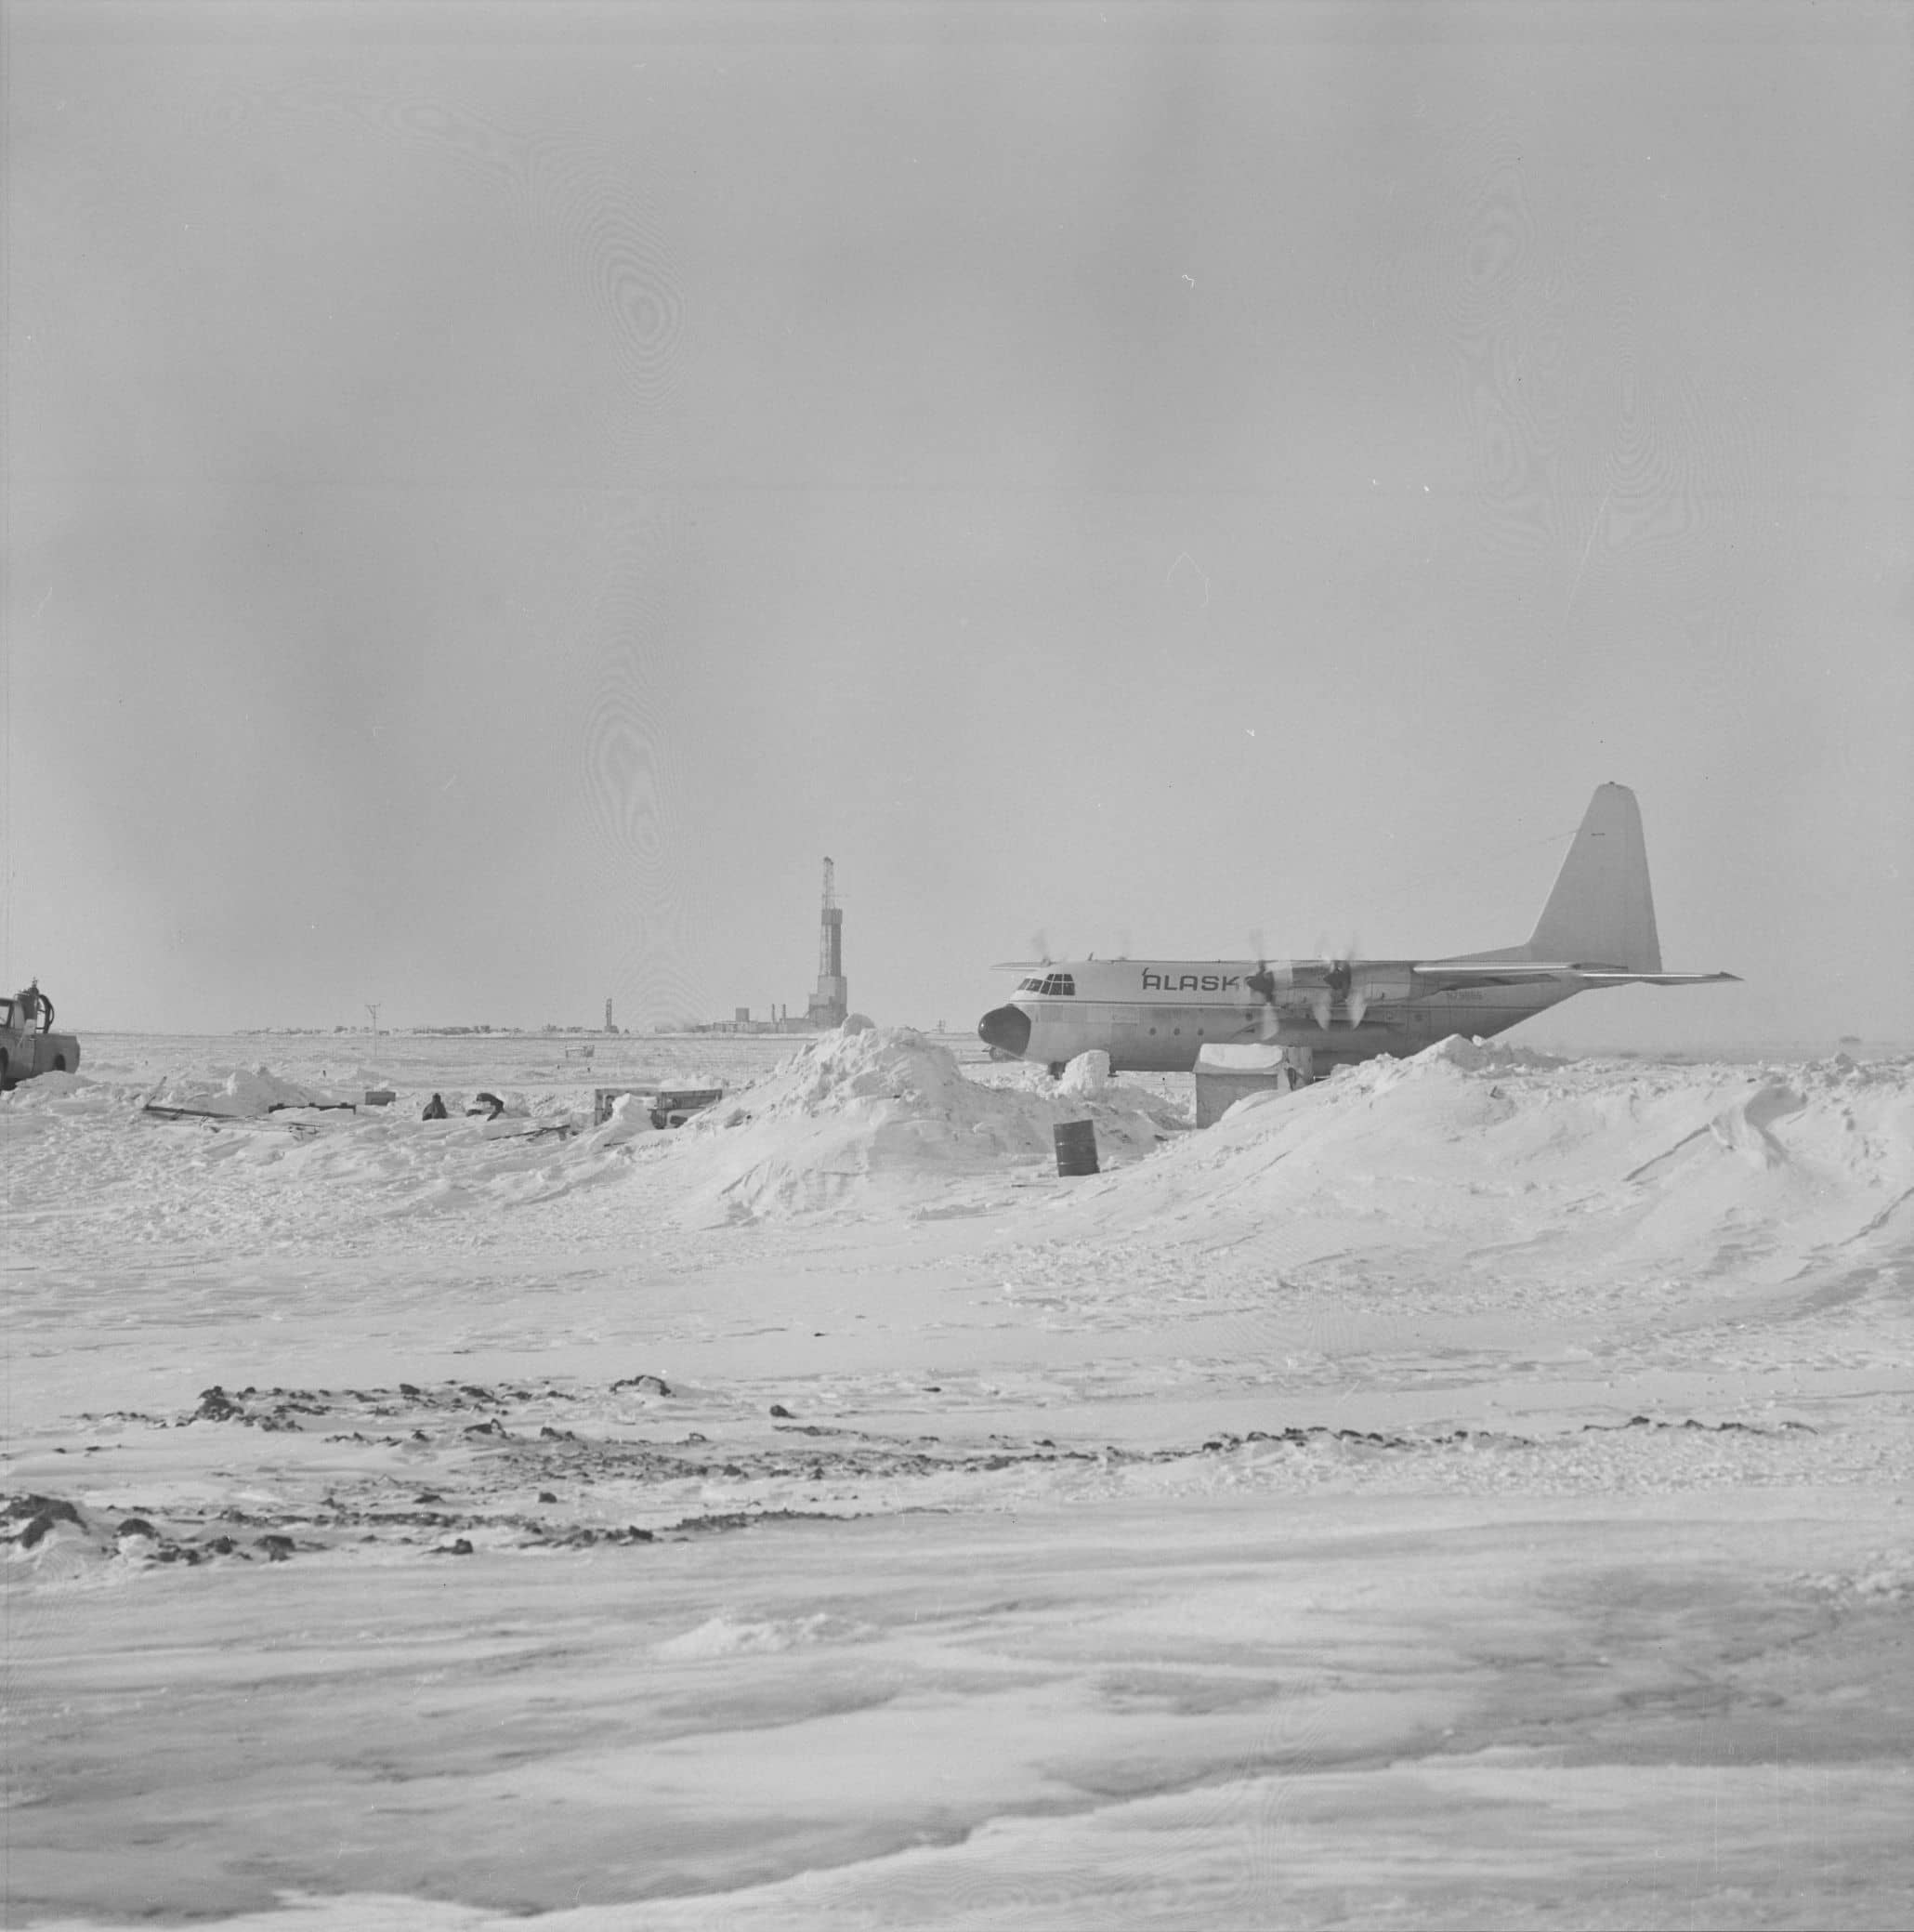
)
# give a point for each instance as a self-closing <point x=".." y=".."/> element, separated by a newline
<point x="494" y="493"/>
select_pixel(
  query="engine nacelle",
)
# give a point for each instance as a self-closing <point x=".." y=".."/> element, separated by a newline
<point x="1374" y="986"/>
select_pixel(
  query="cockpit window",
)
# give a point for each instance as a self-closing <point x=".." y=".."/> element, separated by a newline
<point x="1057" y="985"/>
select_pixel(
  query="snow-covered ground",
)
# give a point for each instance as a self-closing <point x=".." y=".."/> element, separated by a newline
<point x="1471" y="1491"/>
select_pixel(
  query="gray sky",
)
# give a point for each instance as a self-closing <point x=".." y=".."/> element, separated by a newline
<point x="494" y="493"/>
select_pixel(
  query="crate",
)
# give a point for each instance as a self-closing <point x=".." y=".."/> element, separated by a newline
<point x="1223" y="1074"/>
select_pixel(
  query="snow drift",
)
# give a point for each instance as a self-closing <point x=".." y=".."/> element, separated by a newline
<point x="241" y="1092"/>
<point x="1485" y="1164"/>
<point x="1484" y="1173"/>
<point x="883" y="1110"/>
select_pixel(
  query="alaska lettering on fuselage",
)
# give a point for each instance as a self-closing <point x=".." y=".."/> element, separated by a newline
<point x="1157" y="981"/>
<point x="1156" y="1015"/>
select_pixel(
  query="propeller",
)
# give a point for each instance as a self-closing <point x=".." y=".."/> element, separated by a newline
<point x="1322" y="1000"/>
<point x="1339" y="983"/>
<point x="1261" y="983"/>
<point x="1039" y="945"/>
<point x="1355" y="997"/>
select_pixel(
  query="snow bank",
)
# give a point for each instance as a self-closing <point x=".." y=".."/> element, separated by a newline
<point x="394" y="1166"/>
<point x="248" y="1155"/>
<point x="1481" y="1162"/>
<point x="240" y="1159"/>
<point x="630" y="1117"/>
<point x="239" y="1092"/>
<point x="1473" y="1175"/>
<point x="884" y="1109"/>
<point x="33" y="1106"/>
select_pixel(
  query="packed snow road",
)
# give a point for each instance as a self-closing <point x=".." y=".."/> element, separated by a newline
<point x="1473" y="1491"/>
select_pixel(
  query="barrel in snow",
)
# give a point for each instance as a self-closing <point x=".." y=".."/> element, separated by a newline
<point x="1076" y="1147"/>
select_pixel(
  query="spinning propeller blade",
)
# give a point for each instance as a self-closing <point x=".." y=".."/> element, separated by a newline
<point x="1339" y="983"/>
<point x="1357" y="999"/>
<point x="1259" y="983"/>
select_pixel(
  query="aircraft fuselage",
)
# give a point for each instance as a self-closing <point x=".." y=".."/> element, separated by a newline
<point x="1155" y="1015"/>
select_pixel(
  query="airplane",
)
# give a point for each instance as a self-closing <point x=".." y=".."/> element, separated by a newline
<point x="1156" y="1015"/>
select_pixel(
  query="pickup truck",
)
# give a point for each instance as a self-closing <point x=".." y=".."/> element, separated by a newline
<point x="668" y="1105"/>
<point x="29" y="1045"/>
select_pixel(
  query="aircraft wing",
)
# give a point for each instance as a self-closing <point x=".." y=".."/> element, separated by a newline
<point x="1502" y="972"/>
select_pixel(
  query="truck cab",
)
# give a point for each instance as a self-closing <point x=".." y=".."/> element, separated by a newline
<point x="29" y="1045"/>
<point x="673" y="1106"/>
<point x="666" y="1106"/>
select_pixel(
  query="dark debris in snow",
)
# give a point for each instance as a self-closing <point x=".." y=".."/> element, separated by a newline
<point x="481" y="1471"/>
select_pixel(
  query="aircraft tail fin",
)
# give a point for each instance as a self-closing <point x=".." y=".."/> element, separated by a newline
<point x="1602" y="911"/>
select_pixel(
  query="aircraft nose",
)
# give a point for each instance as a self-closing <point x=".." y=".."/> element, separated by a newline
<point x="1005" y="1027"/>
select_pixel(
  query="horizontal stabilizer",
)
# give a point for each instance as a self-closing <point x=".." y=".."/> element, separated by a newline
<point x="1504" y="972"/>
<point x="1604" y="977"/>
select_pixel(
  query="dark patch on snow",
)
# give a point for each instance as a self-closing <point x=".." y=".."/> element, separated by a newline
<point x="276" y="1409"/>
<point x="439" y="1478"/>
<point x="55" y="1507"/>
<point x="1714" y="1428"/>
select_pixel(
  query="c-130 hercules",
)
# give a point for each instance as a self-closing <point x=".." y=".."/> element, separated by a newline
<point x="1156" y="1015"/>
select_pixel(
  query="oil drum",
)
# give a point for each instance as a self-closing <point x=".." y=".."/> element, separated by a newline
<point x="1076" y="1147"/>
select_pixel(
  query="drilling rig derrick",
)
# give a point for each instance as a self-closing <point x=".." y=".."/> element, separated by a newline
<point x="832" y="1000"/>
